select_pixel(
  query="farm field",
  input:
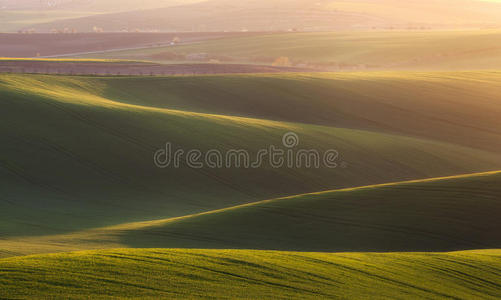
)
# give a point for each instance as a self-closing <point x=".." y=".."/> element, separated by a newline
<point x="101" y="158"/>
<point x="116" y="67"/>
<point x="51" y="44"/>
<point x="229" y="274"/>
<point x="365" y="50"/>
<point x="432" y="215"/>
<point x="429" y="105"/>
<point x="260" y="149"/>
<point x="440" y="214"/>
<point x="107" y="118"/>
<point x="77" y="154"/>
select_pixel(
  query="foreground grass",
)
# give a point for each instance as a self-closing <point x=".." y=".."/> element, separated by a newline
<point x="227" y="274"/>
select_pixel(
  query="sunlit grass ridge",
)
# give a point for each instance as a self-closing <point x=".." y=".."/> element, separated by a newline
<point x="97" y="136"/>
<point x="228" y="274"/>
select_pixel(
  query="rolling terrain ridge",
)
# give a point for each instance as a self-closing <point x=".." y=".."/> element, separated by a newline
<point x="440" y="214"/>
<point x="75" y="146"/>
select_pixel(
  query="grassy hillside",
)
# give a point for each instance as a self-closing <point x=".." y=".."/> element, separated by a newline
<point x="75" y="157"/>
<point x="422" y="50"/>
<point x="461" y="108"/>
<point x="224" y="274"/>
<point x="441" y="214"/>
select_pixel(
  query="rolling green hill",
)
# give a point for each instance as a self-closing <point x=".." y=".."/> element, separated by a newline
<point x="226" y="274"/>
<point x="77" y="173"/>
<point x="78" y="154"/>
<point x="460" y="108"/>
<point x="76" y="158"/>
<point x="440" y="214"/>
<point x="395" y="50"/>
<point x="448" y="214"/>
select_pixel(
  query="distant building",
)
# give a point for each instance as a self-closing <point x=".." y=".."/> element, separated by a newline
<point x="197" y="56"/>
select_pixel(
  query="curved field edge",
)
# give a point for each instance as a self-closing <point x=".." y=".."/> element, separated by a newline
<point x="71" y="150"/>
<point x="227" y="274"/>
<point x="460" y="108"/>
<point x="457" y="107"/>
<point x="444" y="214"/>
<point x="441" y="214"/>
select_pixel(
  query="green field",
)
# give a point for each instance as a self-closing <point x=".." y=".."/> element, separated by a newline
<point x="77" y="173"/>
<point x="447" y="214"/>
<point x="439" y="215"/>
<point x="396" y="50"/>
<point x="226" y="274"/>
<point x="455" y="107"/>
<point x="77" y="145"/>
<point x="367" y="167"/>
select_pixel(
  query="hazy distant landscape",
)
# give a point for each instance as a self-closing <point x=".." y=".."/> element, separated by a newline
<point x="380" y="50"/>
<point x="252" y="15"/>
<point x="250" y="150"/>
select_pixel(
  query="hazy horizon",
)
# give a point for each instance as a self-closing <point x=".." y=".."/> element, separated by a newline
<point x="257" y="15"/>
